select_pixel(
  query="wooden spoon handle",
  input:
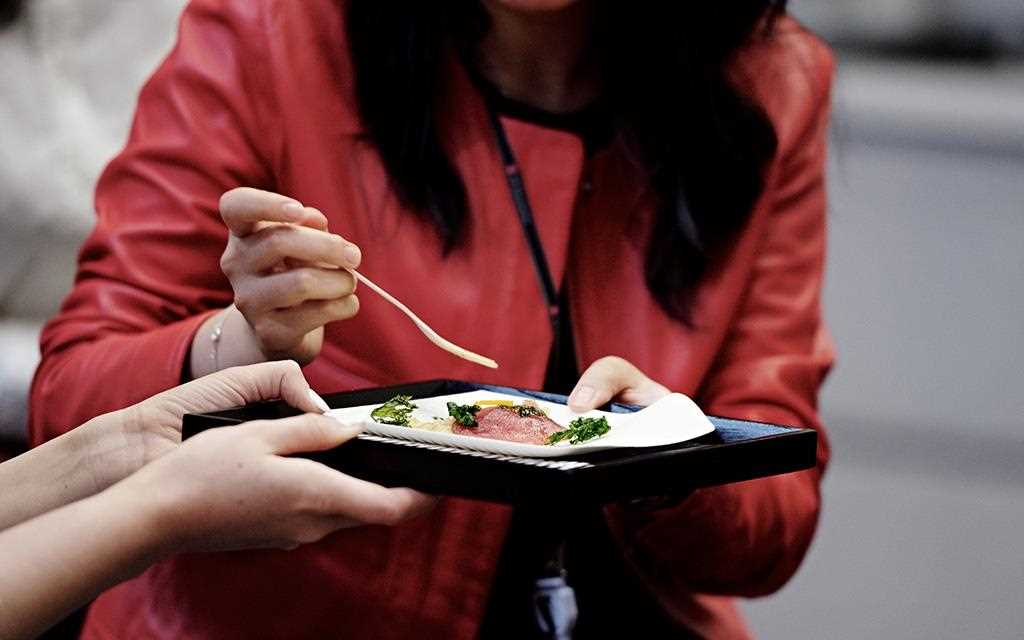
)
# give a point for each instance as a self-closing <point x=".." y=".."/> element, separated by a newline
<point x="431" y="335"/>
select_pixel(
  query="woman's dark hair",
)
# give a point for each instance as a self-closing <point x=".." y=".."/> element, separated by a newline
<point x="10" y="11"/>
<point x="701" y="142"/>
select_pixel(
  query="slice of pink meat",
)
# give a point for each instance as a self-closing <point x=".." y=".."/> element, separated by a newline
<point x="502" y="423"/>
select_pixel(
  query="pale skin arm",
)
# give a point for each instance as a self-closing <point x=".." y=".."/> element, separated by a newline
<point x="111" y="447"/>
<point x="288" y="276"/>
<point x="226" y="489"/>
<point x="55" y="563"/>
<point x="63" y="470"/>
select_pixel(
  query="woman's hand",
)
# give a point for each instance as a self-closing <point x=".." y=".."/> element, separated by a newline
<point x="613" y="378"/>
<point x="118" y="444"/>
<point x="287" y="272"/>
<point x="230" y="488"/>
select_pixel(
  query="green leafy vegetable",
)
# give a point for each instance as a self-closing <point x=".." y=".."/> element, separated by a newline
<point x="464" y="414"/>
<point x="581" y="430"/>
<point x="395" y="411"/>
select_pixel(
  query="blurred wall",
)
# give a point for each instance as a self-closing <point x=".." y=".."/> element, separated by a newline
<point x="924" y="502"/>
<point x="70" y="71"/>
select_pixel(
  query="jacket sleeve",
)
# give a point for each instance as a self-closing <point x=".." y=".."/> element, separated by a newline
<point x="749" y="538"/>
<point x="149" y="273"/>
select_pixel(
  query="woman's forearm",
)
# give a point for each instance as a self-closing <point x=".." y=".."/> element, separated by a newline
<point x="55" y="563"/>
<point x="71" y="467"/>
<point x="236" y="345"/>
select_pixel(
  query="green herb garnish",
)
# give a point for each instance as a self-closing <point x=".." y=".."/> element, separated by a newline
<point x="527" y="411"/>
<point x="581" y="430"/>
<point x="395" y="411"/>
<point x="464" y="414"/>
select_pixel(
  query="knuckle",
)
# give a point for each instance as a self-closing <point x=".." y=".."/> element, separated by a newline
<point x="275" y="241"/>
<point x="317" y="431"/>
<point x="387" y="513"/>
<point x="228" y="261"/>
<point x="268" y="331"/>
<point x="226" y="198"/>
<point x="313" y="500"/>
<point x="610" y="363"/>
<point x="303" y="282"/>
<point x="243" y="303"/>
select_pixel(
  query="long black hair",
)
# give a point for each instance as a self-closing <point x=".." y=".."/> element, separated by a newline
<point x="702" y="144"/>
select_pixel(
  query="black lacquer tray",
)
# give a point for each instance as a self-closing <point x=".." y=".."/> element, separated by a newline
<point x="737" y="450"/>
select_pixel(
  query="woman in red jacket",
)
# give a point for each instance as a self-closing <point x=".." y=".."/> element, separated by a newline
<point x="548" y="182"/>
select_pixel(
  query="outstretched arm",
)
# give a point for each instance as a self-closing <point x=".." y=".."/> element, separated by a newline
<point x="226" y="489"/>
<point x="230" y="488"/>
<point x="112" y="446"/>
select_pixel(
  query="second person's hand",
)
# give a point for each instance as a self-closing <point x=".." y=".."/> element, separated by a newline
<point x="232" y="488"/>
<point x="117" y="444"/>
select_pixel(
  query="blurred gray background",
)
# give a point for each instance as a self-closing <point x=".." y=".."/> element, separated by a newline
<point x="924" y="502"/>
<point x="922" y="534"/>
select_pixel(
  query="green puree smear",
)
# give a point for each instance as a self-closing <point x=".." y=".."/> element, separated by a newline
<point x="395" y="411"/>
<point x="581" y="430"/>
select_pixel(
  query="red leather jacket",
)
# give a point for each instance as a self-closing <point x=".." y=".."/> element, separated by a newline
<point x="260" y="93"/>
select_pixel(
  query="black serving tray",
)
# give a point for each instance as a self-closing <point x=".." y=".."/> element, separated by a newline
<point x="737" y="450"/>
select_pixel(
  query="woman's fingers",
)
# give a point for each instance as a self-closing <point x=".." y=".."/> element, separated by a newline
<point x="226" y="389"/>
<point x="268" y="381"/>
<point x="613" y="377"/>
<point x="336" y="495"/>
<point x="272" y="245"/>
<point x="244" y="208"/>
<point x="280" y="330"/>
<point x="301" y="434"/>
<point x="312" y="314"/>
<point x="258" y="294"/>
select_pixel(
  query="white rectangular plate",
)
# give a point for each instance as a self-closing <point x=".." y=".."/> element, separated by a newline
<point x="673" y="419"/>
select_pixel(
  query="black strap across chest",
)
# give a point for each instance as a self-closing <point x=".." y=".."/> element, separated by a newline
<point x="524" y="211"/>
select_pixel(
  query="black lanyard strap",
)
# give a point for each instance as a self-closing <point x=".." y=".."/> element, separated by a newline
<point x="517" y="188"/>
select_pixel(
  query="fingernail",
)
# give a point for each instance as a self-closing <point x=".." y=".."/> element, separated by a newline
<point x="353" y="255"/>
<point x="293" y="208"/>
<point x="582" y="396"/>
<point x="318" y="401"/>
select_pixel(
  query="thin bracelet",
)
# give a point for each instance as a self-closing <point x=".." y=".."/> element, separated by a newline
<point x="218" y="331"/>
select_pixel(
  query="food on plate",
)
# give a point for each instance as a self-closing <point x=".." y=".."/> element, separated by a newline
<point x="395" y="411"/>
<point x="398" y="411"/>
<point x="498" y="419"/>
<point x="581" y="430"/>
<point x="517" y="423"/>
<point x="463" y="414"/>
